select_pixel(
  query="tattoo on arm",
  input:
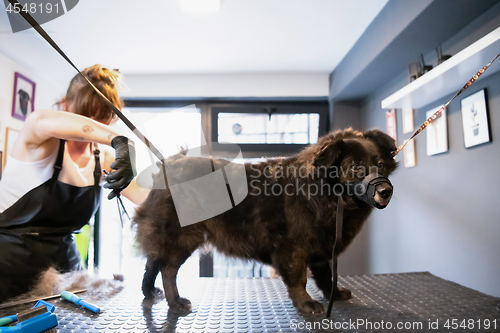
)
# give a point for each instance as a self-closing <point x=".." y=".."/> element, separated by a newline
<point x="76" y="139"/>
<point x="87" y="129"/>
<point x="110" y="135"/>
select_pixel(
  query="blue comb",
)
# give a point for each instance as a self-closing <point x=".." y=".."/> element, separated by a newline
<point x="40" y="318"/>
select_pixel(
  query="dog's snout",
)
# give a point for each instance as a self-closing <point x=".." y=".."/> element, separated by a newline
<point x="384" y="191"/>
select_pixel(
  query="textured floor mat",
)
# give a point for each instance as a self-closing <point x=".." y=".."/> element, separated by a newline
<point x="412" y="302"/>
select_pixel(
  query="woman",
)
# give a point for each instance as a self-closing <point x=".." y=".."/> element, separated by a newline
<point x="51" y="184"/>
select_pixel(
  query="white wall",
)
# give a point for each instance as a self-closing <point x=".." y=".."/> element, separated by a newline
<point x="227" y="85"/>
<point x="46" y="94"/>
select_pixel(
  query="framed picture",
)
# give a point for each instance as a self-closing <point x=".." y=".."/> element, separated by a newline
<point x="410" y="156"/>
<point x="23" y="101"/>
<point x="407" y="121"/>
<point x="475" y="119"/>
<point x="10" y="137"/>
<point x="390" y="121"/>
<point x="437" y="133"/>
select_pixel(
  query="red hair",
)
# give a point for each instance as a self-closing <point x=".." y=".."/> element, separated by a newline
<point x="84" y="100"/>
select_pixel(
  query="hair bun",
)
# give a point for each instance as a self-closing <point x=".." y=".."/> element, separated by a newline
<point x="85" y="101"/>
<point x="99" y="75"/>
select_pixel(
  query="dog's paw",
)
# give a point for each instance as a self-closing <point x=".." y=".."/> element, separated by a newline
<point x="180" y="305"/>
<point x="311" y="307"/>
<point x="153" y="294"/>
<point x="342" y="294"/>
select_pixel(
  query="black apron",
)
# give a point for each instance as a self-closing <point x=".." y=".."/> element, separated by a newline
<point x="36" y="232"/>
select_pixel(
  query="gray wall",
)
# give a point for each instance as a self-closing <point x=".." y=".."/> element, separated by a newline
<point x="345" y="114"/>
<point x="444" y="216"/>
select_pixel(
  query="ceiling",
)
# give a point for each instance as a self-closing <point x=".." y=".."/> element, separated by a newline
<point x="380" y="57"/>
<point x="155" y="37"/>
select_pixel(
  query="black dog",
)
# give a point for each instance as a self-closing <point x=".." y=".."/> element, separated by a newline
<point x="291" y="229"/>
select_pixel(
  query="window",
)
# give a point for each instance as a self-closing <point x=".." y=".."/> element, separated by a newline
<point x="268" y="129"/>
<point x="294" y="122"/>
<point x="168" y="129"/>
<point x="260" y="128"/>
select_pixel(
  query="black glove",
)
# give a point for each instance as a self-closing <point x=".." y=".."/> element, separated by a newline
<point x="124" y="166"/>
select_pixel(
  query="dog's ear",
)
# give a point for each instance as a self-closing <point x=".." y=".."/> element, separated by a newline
<point x="382" y="140"/>
<point x="329" y="153"/>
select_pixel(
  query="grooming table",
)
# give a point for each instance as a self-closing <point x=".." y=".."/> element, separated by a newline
<point x="262" y="305"/>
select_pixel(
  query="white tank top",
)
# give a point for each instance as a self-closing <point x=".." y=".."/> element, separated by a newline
<point x="20" y="177"/>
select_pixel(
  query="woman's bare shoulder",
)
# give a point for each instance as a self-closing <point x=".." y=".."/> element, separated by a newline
<point x="28" y="146"/>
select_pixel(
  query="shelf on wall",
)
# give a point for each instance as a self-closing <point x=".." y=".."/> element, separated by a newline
<point x="450" y="76"/>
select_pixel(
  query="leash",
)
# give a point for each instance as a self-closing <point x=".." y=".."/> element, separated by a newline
<point x="26" y="15"/>
<point x="337" y="243"/>
<point x="438" y="112"/>
<point x="156" y="152"/>
<point x="340" y="202"/>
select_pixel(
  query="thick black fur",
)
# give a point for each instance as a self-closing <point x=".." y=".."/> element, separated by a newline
<point x="289" y="232"/>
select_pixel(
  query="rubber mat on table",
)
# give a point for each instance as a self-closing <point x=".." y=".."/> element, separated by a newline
<point x="411" y="302"/>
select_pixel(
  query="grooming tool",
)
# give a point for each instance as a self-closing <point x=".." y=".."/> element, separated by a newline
<point x="39" y="319"/>
<point x="118" y="202"/>
<point x="79" y="301"/>
<point x="21" y="302"/>
<point x="7" y="320"/>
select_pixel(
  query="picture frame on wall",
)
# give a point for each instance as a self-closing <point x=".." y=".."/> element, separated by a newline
<point x="23" y="99"/>
<point x="475" y="119"/>
<point x="410" y="155"/>
<point x="407" y="121"/>
<point x="437" y="133"/>
<point x="390" y="121"/>
<point x="10" y="137"/>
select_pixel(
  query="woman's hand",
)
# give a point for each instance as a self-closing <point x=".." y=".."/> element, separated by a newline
<point x="124" y="166"/>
